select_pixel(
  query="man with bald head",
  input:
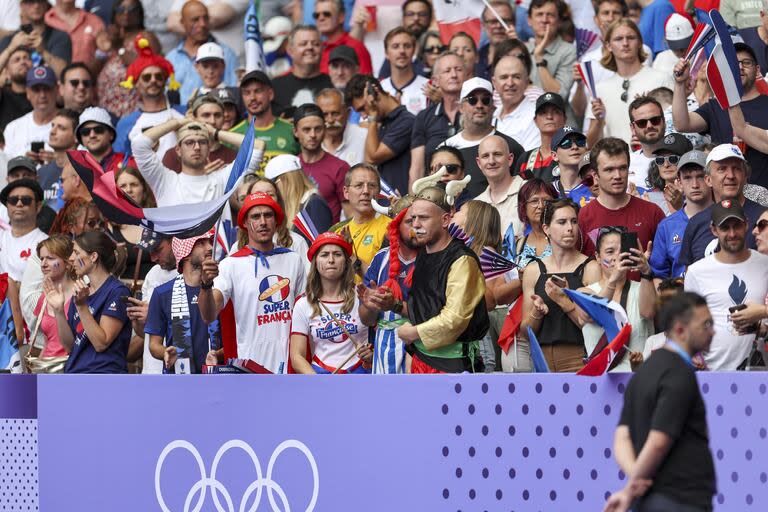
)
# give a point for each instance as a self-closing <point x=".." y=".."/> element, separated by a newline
<point x="197" y="32"/>
<point x="446" y="303"/>
<point x="494" y="161"/>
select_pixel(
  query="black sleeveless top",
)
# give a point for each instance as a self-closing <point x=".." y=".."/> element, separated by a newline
<point x="556" y="327"/>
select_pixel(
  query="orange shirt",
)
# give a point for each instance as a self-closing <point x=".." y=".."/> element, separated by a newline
<point x="82" y="35"/>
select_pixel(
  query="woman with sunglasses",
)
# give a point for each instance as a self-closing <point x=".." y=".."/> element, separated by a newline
<point x="664" y="187"/>
<point x="547" y="310"/>
<point x="637" y="298"/>
<point x="326" y="327"/>
<point x="430" y="46"/>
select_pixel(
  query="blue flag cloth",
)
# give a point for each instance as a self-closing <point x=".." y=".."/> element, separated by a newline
<point x="9" y="347"/>
<point x="607" y="314"/>
<point x="254" y="52"/>
<point x="537" y="356"/>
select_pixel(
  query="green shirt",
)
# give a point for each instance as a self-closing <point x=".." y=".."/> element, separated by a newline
<point x="278" y="138"/>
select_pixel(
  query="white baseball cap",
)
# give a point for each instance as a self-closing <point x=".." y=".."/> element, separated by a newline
<point x="275" y="32"/>
<point x="281" y="164"/>
<point x="95" y="115"/>
<point x="209" y="51"/>
<point x="724" y="151"/>
<point x="678" y="31"/>
<point x="473" y="84"/>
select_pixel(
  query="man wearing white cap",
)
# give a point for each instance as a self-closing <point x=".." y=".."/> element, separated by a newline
<point x="476" y="109"/>
<point x="96" y="133"/>
<point x="187" y="58"/>
<point x="678" y="32"/>
<point x="275" y="36"/>
<point x="727" y="173"/>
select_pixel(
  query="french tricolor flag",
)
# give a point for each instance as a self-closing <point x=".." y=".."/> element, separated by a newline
<point x="723" y="67"/>
<point x="459" y="16"/>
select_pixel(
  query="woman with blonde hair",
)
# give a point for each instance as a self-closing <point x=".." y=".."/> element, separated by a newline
<point x="54" y="254"/>
<point x="298" y="191"/>
<point x="326" y="328"/>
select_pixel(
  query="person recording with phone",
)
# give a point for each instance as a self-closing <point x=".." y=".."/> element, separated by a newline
<point x="54" y="46"/>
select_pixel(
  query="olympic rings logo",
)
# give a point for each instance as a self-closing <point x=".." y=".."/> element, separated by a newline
<point x="217" y="488"/>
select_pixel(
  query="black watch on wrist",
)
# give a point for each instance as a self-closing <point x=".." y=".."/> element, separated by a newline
<point x="648" y="276"/>
<point x="206" y="286"/>
<point x="542" y="63"/>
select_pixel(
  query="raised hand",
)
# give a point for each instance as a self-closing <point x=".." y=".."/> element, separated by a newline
<point x="54" y="294"/>
<point x="210" y="270"/>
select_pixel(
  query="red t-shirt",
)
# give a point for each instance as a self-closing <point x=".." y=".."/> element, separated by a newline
<point x="638" y="215"/>
<point x="328" y="173"/>
<point x="366" y="67"/>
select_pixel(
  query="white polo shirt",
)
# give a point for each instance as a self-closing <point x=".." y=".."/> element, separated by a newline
<point x="519" y="124"/>
<point x="411" y="96"/>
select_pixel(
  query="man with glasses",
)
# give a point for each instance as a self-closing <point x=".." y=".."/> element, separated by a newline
<point x="513" y="116"/>
<point x="54" y="46"/>
<point x="22" y="168"/>
<point x="343" y="139"/>
<point x="613" y="205"/>
<point x="476" y="108"/>
<point x="711" y="119"/>
<point x="496" y="33"/>
<point x="646" y="118"/>
<point x="77" y="87"/>
<point x="549" y="117"/>
<point x="389" y="127"/>
<point x="399" y="46"/>
<point x="669" y="235"/>
<point x="329" y="20"/>
<point x="568" y="146"/>
<point x="96" y="133"/>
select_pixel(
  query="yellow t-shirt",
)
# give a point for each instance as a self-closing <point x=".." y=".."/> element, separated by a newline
<point x="367" y="237"/>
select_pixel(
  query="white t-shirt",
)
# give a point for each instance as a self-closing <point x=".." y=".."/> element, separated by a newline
<point x="22" y="132"/>
<point x="155" y="277"/>
<point x="726" y="285"/>
<point x="610" y="91"/>
<point x="329" y="344"/>
<point x="15" y="251"/>
<point x="666" y="61"/>
<point x="519" y="124"/>
<point x="459" y="142"/>
<point x="230" y="34"/>
<point x="411" y="96"/>
<point x="638" y="167"/>
<point x="150" y="119"/>
<point x="263" y="304"/>
<point x="11" y="19"/>
<point x="352" y="148"/>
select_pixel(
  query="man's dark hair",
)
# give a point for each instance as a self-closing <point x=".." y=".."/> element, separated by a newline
<point x="453" y="151"/>
<point x="562" y="8"/>
<point x="396" y="32"/>
<point x="75" y="65"/>
<point x="622" y="3"/>
<point x="70" y="114"/>
<point x="641" y="101"/>
<point x="356" y="87"/>
<point x="425" y="2"/>
<point x="306" y="110"/>
<point x="611" y="146"/>
<point x="679" y="308"/>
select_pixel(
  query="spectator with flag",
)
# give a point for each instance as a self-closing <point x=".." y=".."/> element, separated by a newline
<point x="327" y="329"/>
<point x="549" y="312"/>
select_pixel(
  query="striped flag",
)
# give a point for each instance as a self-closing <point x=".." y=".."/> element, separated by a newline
<point x="304" y="224"/>
<point x="181" y="221"/>
<point x="605" y="359"/>
<point x="723" y="66"/>
<point x="254" y="53"/>
<point x="702" y="34"/>
<point x="459" y="16"/>
<point x="588" y="77"/>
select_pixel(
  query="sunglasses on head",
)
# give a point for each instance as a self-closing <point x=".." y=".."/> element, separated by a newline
<point x="321" y="14"/>
<point x="24" y="200"/>
<point x="76" y="83"/>
<point x="606" y="230"/>
<point x="670" y="159"/>
<point x="98" y="130"/>
<point x="568" y="142"/>
<point x="472" y="100"/>
<point x="147" y="77"/>
<point x="761" y="225"/>
<point x="642" y="123"/>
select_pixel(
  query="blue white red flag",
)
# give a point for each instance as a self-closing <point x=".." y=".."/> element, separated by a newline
<point x="611" y="354"/>
<point x="723" y="66"/>
<point x="606" y="313"/>
<point x="304" y="224"/>
<point x="386" y="189"/>
<point x="587" y="76"/>
<point x="537" y="356"/>
<point x="181" y="221"/>
<point x="254" y="52"/>
<point x="702" y="34"/>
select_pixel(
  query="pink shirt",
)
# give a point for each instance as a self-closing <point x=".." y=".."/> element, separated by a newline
<point x="53" y="346"/>
<point x="83" y="34"/>
<point x="328" y="173"/>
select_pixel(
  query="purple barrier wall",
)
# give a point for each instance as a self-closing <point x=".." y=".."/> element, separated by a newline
<point x="498" y="442"/>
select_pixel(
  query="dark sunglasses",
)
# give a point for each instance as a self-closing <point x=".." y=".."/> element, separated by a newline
<point x="761" y="225"/>
<point x="671" y="159"/>
<point x="24" y="200"/>
<point x="321" y="14"/>
<point x="98" y="130"/>
<point x="76" y="83"/>
<point x="450" y="168"/>
<point x="147" y="77"/>
<point x="472" y="100"/>
<point x="642" y="123"/>
<point x="568" y="142"/>
<point x="122" y="9"/>
<point x="588" y="180"/>
<point x="625" y="88"/>
<point x="434" y="49"/>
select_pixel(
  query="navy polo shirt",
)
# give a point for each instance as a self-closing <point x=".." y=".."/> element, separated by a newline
<point x="84" y="358"/>
<point x="395" y="131"/>
<point x="431" y="128"/>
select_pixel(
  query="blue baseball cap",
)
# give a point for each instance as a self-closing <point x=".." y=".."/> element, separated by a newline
<point x="41" y="75"/>
<point x="563" y="133"/>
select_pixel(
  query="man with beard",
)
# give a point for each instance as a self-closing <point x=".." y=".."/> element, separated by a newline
<point x="343" y="139"/>
<point x="540" y="161"/>
<point x="277" y="134"/>
<point x="646" y="119"/>
<point x="404" y="84"/>
<point x="326" y="170"/>
<point x="446" y="303"/>
<point x="385" y="288"/>
<point x="476" y="108"/>
<point x="728" y="279"/>
<point x="342" y="66"/>
<point x="329" y="19"/>
<point x="53" y="46"/>
<point x="496" y="34"/>
<point x="710" y="118"/>
<point x="96" y="133"/>
<point x="13" y="95"/>
<point x="305" y="79"/>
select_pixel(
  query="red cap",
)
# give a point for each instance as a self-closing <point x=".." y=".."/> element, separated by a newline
<point x="329" y="239"/>
<point x="259" y="199"/>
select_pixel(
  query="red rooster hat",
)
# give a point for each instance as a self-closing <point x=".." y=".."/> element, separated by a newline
<point x="146" y="58"/>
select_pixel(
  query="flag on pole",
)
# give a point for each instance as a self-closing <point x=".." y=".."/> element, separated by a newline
<point x="181" y="221"/>
<point x="459" y="16"/>
<point x="723" y="66"/>
<point x="306" y="227"/>
<point x="611" y="354"/>
<point x="9" y="347"/>
<point x="537" y="356"/>
<point x="511" y="325"/>
<point x="702" y="34"/>
<point x="254" y="52"/>
<point x="588" y="77"/>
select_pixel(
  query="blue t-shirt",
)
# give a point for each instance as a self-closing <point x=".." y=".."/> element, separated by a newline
<point x="667" y="244"/>
<point x="652" y="19"/>
<point x="698" y="235"/>
<point x="84" y="358"/>
<point x="580" y="194"/>
<point x="159" y="321"/>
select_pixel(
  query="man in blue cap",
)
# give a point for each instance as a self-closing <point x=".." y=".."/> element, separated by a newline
<point x="34" y="126"/>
